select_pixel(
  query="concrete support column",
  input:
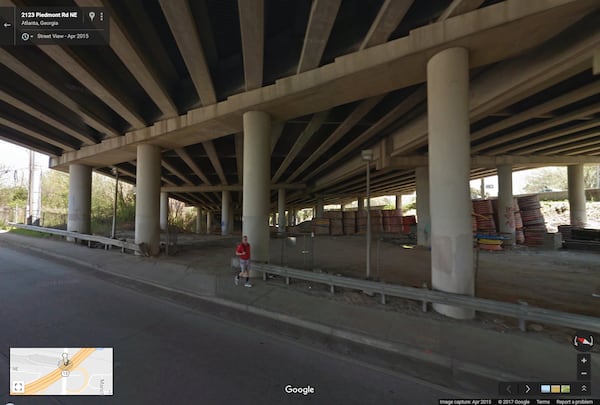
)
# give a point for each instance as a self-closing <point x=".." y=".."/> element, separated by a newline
<point x="452" y="267"/>
<point x="319" y="208"/>
<point x="164" y="211"/>
<point x="80" y="198"/>
<point x="506" y="213"/>
<point x="291" y="216"/>
<point x="281" y="209"/>
<point x="423" y="208"/>
<point x="257" y="178"/>
<point x="208" y="222"/>
<point x="147" y="198"/>
<point x="576" y="195"/>
<point x="225" y="212"/>
<point x="398" y="201"/>
<point x="361" y="203"/>
<point x="198" y="220"/>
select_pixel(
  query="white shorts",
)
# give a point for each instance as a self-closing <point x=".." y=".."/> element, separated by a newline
<point x="244" y="265"/>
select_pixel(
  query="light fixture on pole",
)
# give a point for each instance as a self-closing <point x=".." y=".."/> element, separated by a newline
<point x="367" y="156"/>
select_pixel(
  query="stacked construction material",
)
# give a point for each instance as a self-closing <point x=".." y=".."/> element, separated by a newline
<point x="392" y="220"/>
<point x="376" y="222"/>
<point x="320" y="226"/>
<point x="349" y="222"/>
<point x="519" y="234"/>
<point x="583" y="238"/>
<point x="490" y="242"/>
<point x="408" y="222"/>
<point x="485" y="216"/>
<point x="335" y="222"/>
<point x="534" y="225"/>
<point x="566" y="231"/>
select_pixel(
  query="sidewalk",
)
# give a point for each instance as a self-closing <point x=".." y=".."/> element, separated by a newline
<point x="459" y="354"/>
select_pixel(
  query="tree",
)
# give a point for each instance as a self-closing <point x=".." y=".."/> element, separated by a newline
<point x="555" y="178"/>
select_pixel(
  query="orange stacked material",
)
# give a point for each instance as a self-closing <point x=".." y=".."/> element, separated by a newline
<point x="519" y="234"/>
<point x="320" y="226"/>
<point x="392" y="221"/>
<point x="490" y="244"/>
<point x="349" y="222"/>
<point x="376" y="222"/>
<point x="534" y="226"/>
<point x="335" y="222"/>
<point x="485" y="218"/>
<point x="407" y="222"/>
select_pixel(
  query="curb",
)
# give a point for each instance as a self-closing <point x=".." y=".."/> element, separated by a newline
<point x="454" y="365"/>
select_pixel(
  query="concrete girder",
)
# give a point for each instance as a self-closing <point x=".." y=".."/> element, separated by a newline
<point x="320" y="23"/>
<point x="192" y="165"/>
<point x="587" y="149"/>
<point x="494" y="161"/>
<point x="162" y="178"/>
<point x="76" y="69"/>
<point x="387" y="20"/>
<point x="536" y="112"/>
<point x="180" y="20"/>
<point x="276" y="131"/>
<point x="410" y="102"/>
<point x="25" y="107"/>
<point x="529" y="73"/>
<point x="46" y="150"/>
<point x="34" y="134"/>
<point x="44" y="85"/>
<point x="176" y="172"/>
<point x="311" y="128"/>
<point x="351" y="120"/>
<point x="252" y="26"/>
<point x="492" y="143"/>
<point x="239" y="156"/>
<point x="209" y="147"/>
<point x="132" y="58"/>
<point x="221" y="187"/>
<point x="549" y="140"/>
<point x="513" y="21"/>
<point x="458" y="7"/>
<point x="577" y="142"/>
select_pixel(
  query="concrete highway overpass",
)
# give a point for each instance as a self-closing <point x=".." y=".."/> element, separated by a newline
<point x="212" y="100"/>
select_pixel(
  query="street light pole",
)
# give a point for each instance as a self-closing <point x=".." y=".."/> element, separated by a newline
<point x="367" y="156"/>
<point x="113" y="233"/>
<point x="368" y="220"/>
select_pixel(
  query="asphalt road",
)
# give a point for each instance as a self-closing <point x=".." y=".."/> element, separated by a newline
<point x="169" y="353"/>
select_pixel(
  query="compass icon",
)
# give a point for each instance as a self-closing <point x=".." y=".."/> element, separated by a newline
<point x="583" y="341"/>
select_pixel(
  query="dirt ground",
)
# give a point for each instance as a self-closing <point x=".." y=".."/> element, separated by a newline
<point x="559" y="279"/>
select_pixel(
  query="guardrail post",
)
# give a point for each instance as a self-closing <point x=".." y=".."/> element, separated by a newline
<point x="264" y="276"/>
<point x="522" y="321"/>
<point x="332" y="289"/>
<point x="382" y="298"/>
<point x="287" y="280"/>
<point x="424" y="304"/>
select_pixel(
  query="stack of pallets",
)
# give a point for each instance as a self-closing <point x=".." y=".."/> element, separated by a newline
<point x="534" y="225"/>
<point x="349" y="222"/>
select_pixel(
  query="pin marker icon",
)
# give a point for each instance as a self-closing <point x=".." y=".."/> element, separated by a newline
<point x="65" y="357"/>
<point x="92" y="15"/>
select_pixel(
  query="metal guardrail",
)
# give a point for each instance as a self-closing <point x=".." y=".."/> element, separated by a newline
<point x="521" y="312"/>
<point x="124" y="245"/>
